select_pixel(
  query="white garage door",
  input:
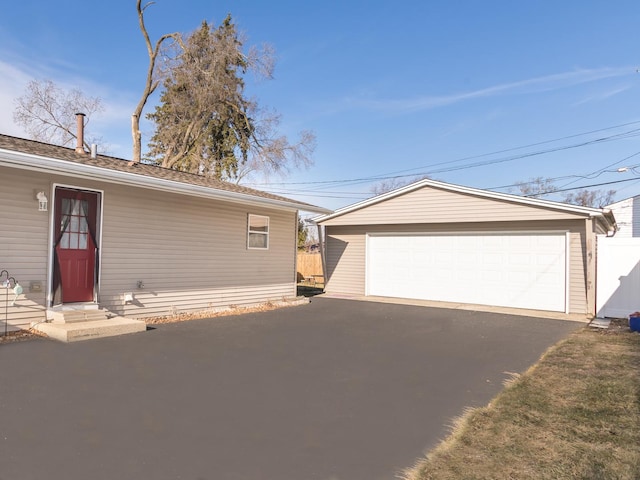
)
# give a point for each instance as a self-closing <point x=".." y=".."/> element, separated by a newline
<point x="510" y="270"/>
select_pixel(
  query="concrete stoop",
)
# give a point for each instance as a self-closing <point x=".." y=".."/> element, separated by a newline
<point x="86" y="324"/>
<point x="78" y="315"/>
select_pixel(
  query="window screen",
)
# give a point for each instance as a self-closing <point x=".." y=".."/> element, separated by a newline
<point x="258" y="235"/>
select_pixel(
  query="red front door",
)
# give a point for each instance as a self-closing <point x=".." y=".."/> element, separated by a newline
<point x="75" y="218"/>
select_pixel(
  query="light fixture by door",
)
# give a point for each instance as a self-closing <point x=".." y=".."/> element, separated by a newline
<point x="42" y="201"/>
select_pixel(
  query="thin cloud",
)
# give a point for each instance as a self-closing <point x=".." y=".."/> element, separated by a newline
<point x="12" y="83"/>
<point x="600" y="96"/>
<point x="533" y="85"/>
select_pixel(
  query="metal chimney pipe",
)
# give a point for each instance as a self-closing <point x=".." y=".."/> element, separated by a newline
<point x="94" y="150"/>
<point x="80" y="134"/>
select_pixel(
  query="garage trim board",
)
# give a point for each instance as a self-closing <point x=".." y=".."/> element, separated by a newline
<point x="520" y="269"/>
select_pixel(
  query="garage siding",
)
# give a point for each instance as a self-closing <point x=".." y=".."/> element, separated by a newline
<point x="433" y="205"/>
<point x="346" y="250"/>
<point x="577" y="270"/>
<point x="346" y="247"/>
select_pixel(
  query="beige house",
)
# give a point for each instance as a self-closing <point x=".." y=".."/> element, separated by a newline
<point x="442" y="242"/>
<point x="137" y="240"/>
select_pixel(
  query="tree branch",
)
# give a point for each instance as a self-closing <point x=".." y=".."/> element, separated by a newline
<point x="151" y="84"/>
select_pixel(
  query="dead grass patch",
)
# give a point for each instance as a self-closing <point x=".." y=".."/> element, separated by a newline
<point x="575" y="414"/>
<point x="21" y="336"/>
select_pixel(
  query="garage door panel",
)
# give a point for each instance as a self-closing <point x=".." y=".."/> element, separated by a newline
<point x="492" y="258"/>
<point x="525" y="271"/>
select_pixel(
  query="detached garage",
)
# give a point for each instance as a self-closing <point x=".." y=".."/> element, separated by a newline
<point x="442" y="242"/>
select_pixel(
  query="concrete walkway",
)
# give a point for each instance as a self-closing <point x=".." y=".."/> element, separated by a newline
<point x="464" y="306"/>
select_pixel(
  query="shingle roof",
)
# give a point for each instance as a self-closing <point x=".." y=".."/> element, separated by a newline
<point x="65" y="154"/>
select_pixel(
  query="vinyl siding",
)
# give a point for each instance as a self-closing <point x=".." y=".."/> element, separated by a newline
<point x="433" y="205"/>
<point x="191" y="253"/>
<point x="346" y="251"/>
<point x="577" y="270"/>
<point x="345" y="259"/>
<point x="627" y="213"/>
<point x="24" y="234"/>
<point x="635" y="217"/>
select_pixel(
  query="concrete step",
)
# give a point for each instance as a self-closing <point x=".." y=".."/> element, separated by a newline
<point x="74" y="316"/>
<point x="86" y="330"/>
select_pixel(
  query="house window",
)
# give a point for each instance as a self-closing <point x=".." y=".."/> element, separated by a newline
<point x="258" y="235"/>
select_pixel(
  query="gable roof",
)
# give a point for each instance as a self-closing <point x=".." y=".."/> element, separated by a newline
<point x="624" y="200"/>
<point x="31" y="155"/>
<point x="604" y="214"/>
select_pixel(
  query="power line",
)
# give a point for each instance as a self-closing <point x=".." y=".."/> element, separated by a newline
<point x="392" y="175"/>
<point x="597" y="173"/>
<point x="602" y="170"/>
<point x="591" y="175"/>
<point x="356" y="181"/>
<point x="363" y="196"/>
<point x="628" y="186"/>
<point x="542" y="143"/>
<point x="628" y="134"/>
<point x="582" y="186"/>
<point x="532" y="154"/>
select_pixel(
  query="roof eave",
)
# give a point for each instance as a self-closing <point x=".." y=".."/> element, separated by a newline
<point x="62" y="167"/>
<point x="587" y="211"/>
<point x="608" y="220"/>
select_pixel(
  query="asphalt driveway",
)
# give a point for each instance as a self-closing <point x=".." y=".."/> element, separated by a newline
<point x="334" y="390"/>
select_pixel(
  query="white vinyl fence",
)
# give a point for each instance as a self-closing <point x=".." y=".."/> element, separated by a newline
<point x="618" y="277"/>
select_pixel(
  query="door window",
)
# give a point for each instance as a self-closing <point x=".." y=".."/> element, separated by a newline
<point x="73" y="224"/>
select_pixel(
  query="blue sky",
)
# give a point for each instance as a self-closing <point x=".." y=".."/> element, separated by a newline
<point x="389" y="88"/>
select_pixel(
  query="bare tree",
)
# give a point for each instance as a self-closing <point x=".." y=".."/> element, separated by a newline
<point x="539" y="186"/>
<point x="390" y="184"/>
<point x="271" y="154"/>
<point x="536" y="186"/>
<point x="152" y="80"/>
<point x="47" y="112"/>
<point x="303" y="234"/>
<point x="591" y="198"/>
<point x="206" y="124"/>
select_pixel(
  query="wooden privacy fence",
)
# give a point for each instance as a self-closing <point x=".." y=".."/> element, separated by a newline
<point x="310" y="268"/>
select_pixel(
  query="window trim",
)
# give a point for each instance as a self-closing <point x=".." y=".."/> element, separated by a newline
<point x="257" y="232"/>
